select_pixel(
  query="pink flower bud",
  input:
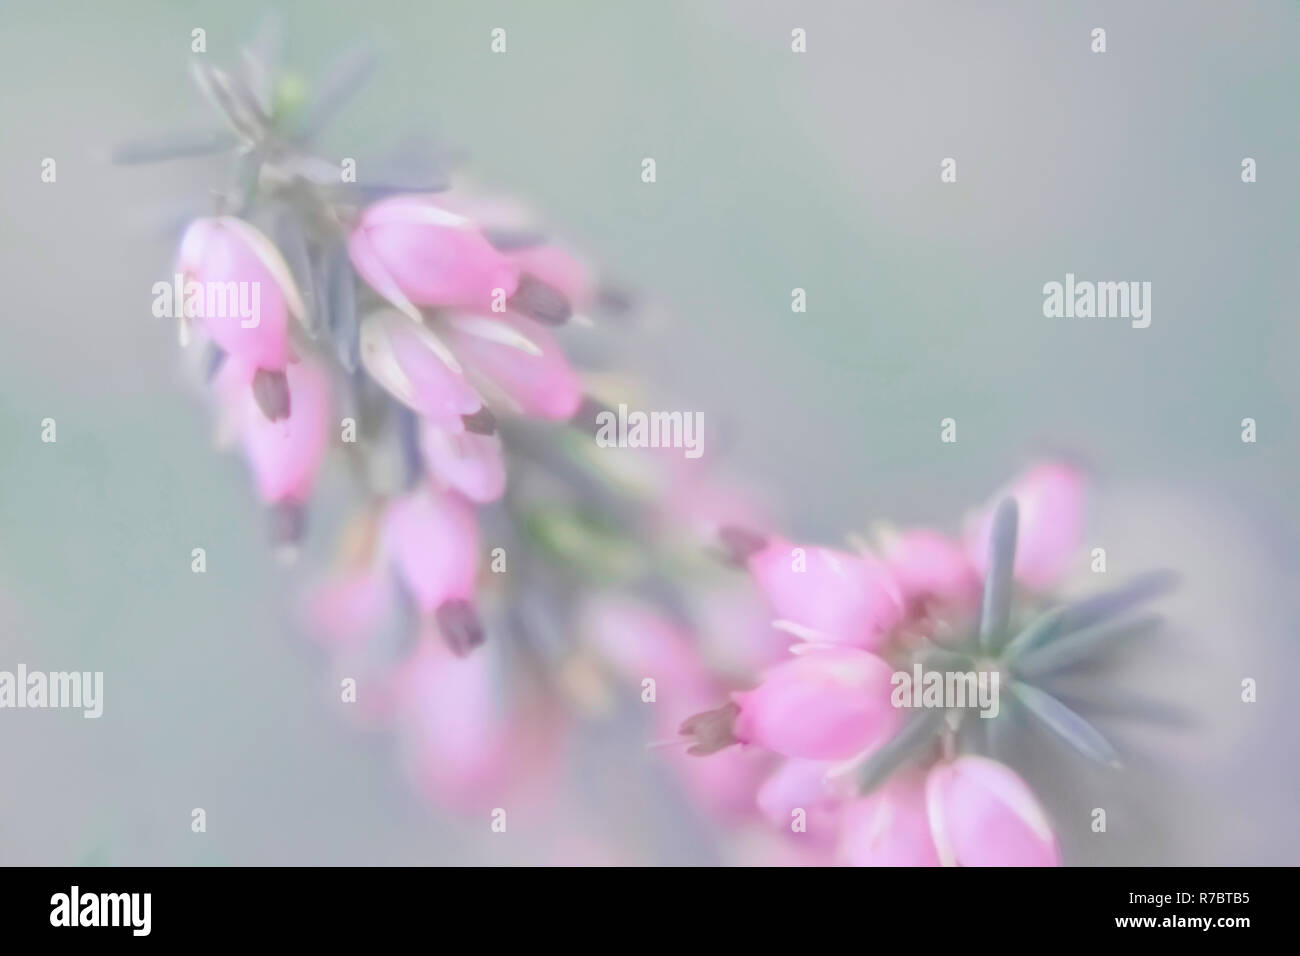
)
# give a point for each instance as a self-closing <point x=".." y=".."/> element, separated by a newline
<point x="286" y="455"/>
<point x="469" y="463"/>
<point x="418" y="369"/>
<point x="800" y="785"/>
<point x="637" y="643"/>
<point x="1051" y="502"/>
<point x="982" y="814"/>
<point x="843" y="598"/>
<point x="723" y="783"/>
<point x="828" y="703"/>
<point x="536" y="378"/>
<point x="468" y="746"/>
<point x="229" y="259"/>
<point x="738" y="631"/>
<point x="931" y="566"/>
<point x="889" y="827"/>
<point x="349" y="608"/>
<point x="560" y="270"/>
<point x="431" y="539"/>
<point x="411" y="250"/>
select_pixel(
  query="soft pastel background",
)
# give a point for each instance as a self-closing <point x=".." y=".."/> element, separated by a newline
<point x="775" y="170"/>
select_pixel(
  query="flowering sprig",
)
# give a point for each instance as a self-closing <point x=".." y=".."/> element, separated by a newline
<point x="428" y="320"/>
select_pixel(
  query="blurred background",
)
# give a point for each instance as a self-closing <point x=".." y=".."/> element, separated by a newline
<point x="775" y="171"/>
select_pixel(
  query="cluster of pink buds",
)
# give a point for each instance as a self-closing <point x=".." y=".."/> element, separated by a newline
<point x="396" y="327"/>
<point x="416" y="321"/>
<point x="853" y="752"/>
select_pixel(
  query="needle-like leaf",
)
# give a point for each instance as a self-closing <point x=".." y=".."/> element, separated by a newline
<point x="916" y="735"/>
<point x="1104" y="607"/>
<point x="342" y="79"/>
<point x="339" y="294"/>
<point x="996" y="607"/>
<point x="291" y="238"/>
<point x="1054" y="657"/>
<point x="179" y="144"/>
<point x="1041" y="629"/>
<point x="1066" y="724"/>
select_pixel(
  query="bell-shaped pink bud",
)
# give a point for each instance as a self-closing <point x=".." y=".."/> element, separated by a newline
<point x="1051" y="500"/>
<point x="801" y="786"/>
<point x="468" y="745"/>
<point x="348" y="608"/>
<point x="930" y="566"/>
<point x="982" y="814"/>
<point x="889" y="827"/>
<point x="418" y="369"/>
<point x="723" y="783"/>
<point x="286" y="455"/>
<point x="560" y="270"/>
<point x="521" y="359"/>
<point x="431" y="538"/>
<point x="692" y="498"/>
<point x="834" y="596"/>
<point x="471" y="464"/>
<point x="637" y="642"/>
<point x="827" y="703"/>
<point x="239" y="292"/>
<point x="412" y="251"/>
<point x="738" y="632"/>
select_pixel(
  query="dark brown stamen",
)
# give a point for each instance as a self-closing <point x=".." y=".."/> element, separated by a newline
<point x="739" y="544"/>
<point x="510" y="240"/>
<point x="711" y="731"/>
<point x="585" y="418"/>
<point x="481" y="422"/>
<point x="271" y="391"/>
<point x="460" y="627"/>
<point x="536" y="299"/>
<point x="288" y="523"/>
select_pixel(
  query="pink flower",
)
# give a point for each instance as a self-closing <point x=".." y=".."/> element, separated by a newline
<point x="828" y="703"/>
<point x="800" y="785"/>
<point x="738" y="632"/>
<point x="559" y="269"/>
<point x="285" y="455"/>
<point x="431" y="539"/>
<point x="518" y="360"/>
<point x="638" y="642"/>
<point x="928" y="565"/>
<point x="348" y="608"/>
<point x="559" y="272"/>
<point x="840" y="598"/>
<point x="416" y="367"/>
<point x="982" y="814"/>
<point x="412" y="251"/>
<point x="469" y="746"/>
<point x="471" y="464"/>
<point x="889" y="827"/>
<point x="693" y="499"/>
<point x="724" y="784"/>
<point x="235" y="263"/>
<point x="1050" y="497"/>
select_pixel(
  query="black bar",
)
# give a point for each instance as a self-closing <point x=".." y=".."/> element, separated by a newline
<point x="438" y="906"/>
